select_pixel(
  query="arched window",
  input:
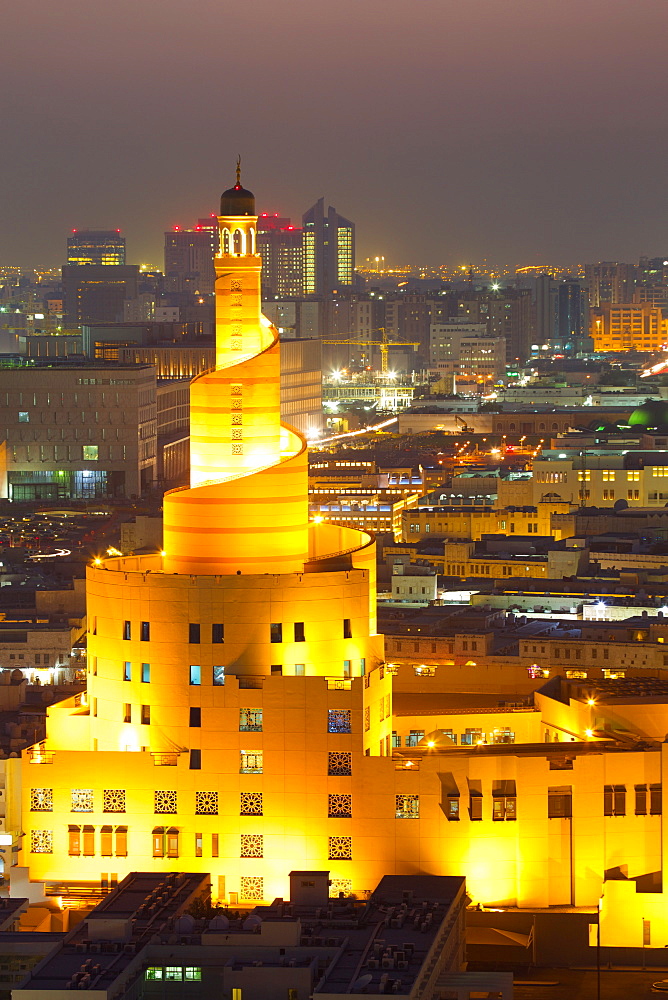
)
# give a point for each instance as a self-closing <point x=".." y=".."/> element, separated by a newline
<point x="555" y="427"/>
<point x="239" y="243"/>
<point x="511" y="427"/>
<point x="541" y="427"/>
<point x="226" y="241"/>
<point x="251" y="241"/>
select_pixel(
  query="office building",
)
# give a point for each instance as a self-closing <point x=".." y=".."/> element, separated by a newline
<point x="279" y="243"/>
<point x="561" y="317"/>
<point x="189" y="258"/>
<point x="96" y="293"/>
<point x="611" y="282"/>
<point x="77" y="432"/>
<point x="628" y="327"/>
<point x="466" y="350"/>
<point x="96" y="246"/>
<point x="328" y="250"/>
<point x="506" y="312"/>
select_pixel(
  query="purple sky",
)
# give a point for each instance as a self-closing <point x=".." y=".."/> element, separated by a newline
<point x="526" y="131"/>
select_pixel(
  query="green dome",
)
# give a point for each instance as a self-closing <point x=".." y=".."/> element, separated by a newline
<point x="653" y="413"/>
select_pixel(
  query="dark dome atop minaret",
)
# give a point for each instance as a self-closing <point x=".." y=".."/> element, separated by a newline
<point x="237" y="200"/>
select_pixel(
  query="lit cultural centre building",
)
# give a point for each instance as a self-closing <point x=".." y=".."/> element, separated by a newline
<point x="240" y="719"/>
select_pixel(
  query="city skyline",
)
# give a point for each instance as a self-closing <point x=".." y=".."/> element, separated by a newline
<point x="512" y="130"/>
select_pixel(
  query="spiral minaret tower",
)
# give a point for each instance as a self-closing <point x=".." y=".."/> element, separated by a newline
<point x="245" y="585"/>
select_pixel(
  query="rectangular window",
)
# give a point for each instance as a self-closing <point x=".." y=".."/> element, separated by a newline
<point x="193" y="633"/>
<point x="127" y="630"/>
<point x="614" y="800"/>
<point x="299" y="632"/>
<point x="219" y="675"/>
<point x="276" y="669"/>
<point x="24" y="417"/>
<point x="74" y="837"/>
<point x="250" y="720"/>
<point x="89" y="841"/>
<point x="195" y="720"/>
<point x="362" y="667"/>
<point x="559" y="802"/>
<point x="146" y="673"/>
<point x="198" y="845"/>
<point x="214" y="845"/>
<point x="172" y="843"/>
<point x="346" y="668"/>
<point x="475" y="805"/>
<point x="106" y="841"/>
<point x="414" y="737"/>
<point x="347" y="631"/>
<point x="276" y="632"/>
<point x="146" y="715"/>
<point x="641" y="800"/>
<point x="90" y="452"/>
<point x="121" y="841"/>
<point x="195" y="760"/>
<point x="217" y="633"/>
<point x="191" y="973"/>
<point x="145" y="632"/>
<point x="250" y="762"/>
<point x="452" y="808"/>
<point x="127" y="712"/>
<point x="655" y="800"/>
<point x="159" y="842"/>
<point x="195" y="674"/>
<point x="300" y="669"/>
<point x="127" y="671"/>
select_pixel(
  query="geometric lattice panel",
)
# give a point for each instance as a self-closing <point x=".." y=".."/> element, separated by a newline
<point x="252" y="845"/>
<point x="206" y="803"/>
<point x="407" y="806"/>
<point x="41" y="841"/>
<point x="82" y="800"/>
<point x="339" y="720"/>
<point x="165" y="801"/>
<point x="340" y="848"/>
<point x="339" y="763"/>
<point x="367" y="719"/>
<point x="250" y="804"/>
<point x="113" y="800"/>
<point x="340" y="806"/>
<point x="252" y="887"/>
<point x="337" y="885"/>
<point x="41" y="800"/>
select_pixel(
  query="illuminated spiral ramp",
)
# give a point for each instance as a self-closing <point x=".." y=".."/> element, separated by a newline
<point x="246" y="510"/>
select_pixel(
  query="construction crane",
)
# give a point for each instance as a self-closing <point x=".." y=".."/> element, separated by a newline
<point x="465" y="427"/>
<point x="383" y="344"/>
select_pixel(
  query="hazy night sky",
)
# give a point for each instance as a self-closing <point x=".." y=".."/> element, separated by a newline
<point x="526" y="132"/>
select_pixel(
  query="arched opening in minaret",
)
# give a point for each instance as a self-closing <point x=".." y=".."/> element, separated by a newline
<point x="239" y="246"/>
<point x="226" y="241"/>
<point x="251" y="241"/>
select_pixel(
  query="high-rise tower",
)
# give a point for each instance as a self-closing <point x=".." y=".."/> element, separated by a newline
<point x="329" y="250"/>
<point x="96" y="246"/>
